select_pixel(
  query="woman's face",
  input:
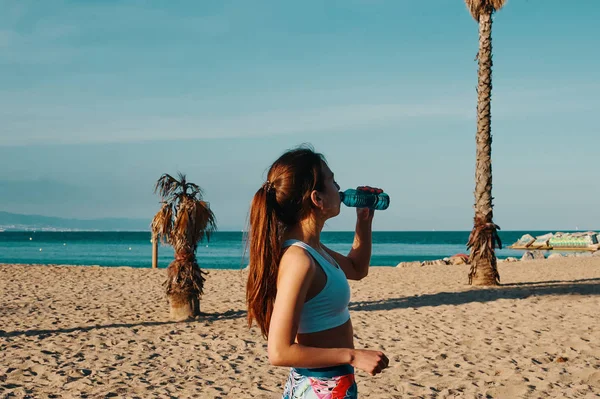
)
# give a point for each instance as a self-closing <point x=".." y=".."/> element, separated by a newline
<point x="330" y="196"/>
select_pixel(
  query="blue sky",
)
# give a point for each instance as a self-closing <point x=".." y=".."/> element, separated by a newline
<point x="98" y="98"/>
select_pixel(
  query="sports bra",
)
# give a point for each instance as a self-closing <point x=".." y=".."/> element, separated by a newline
<point x="329" y="308"/>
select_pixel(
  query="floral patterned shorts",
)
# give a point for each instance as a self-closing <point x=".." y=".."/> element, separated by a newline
<point x="324" y="383"/>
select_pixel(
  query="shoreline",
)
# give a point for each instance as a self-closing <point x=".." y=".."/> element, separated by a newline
<point x="526" y="254"/>
<point x="226" y="250"/>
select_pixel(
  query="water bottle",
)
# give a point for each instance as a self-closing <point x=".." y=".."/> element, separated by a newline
<point x="370" y="198"/>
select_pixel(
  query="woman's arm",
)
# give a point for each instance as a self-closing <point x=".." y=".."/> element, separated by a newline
<point x="296" y="272"/>
<point x="356" y="264"/>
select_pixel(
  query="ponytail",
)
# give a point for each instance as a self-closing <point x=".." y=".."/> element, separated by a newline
<point x="264" y="237"/>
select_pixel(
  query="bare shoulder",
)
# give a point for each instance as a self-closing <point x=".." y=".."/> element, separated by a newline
<point x="296" y="260"/>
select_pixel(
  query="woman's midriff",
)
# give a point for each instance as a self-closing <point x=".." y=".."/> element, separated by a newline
<point x="337" y="337"/>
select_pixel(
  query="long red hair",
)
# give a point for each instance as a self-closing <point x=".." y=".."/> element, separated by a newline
<point x="281" y="202"/>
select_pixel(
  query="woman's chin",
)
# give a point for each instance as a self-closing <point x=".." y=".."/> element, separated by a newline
<point x="336" y="213"/>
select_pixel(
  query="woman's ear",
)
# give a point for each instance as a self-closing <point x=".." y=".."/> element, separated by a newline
<point x="316" y="199"/>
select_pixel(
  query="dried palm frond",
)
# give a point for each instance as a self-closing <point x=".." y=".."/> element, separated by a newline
<point x="194" y="190"/>
<point x="479" y="7"/>
<point x="182" y="239"/>
<point x="482" y="242"/>
<point x="185" y="278"/>
<point x="206" y="222"/>
<point x="162" y="223"/>
<point x="166" y="186"/>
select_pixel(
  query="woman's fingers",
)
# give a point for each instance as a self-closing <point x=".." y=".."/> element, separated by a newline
<point x="370" y="189"/>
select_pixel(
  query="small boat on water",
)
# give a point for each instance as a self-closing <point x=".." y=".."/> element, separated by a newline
<point x="584" y="241"/>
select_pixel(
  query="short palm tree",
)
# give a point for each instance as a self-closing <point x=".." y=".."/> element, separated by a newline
<point x="484" y="236"/>
<point x="183" y="221"/>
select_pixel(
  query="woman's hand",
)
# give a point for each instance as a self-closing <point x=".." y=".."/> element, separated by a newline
<point x="366" y="214"/>
<point x="373" y="362"/>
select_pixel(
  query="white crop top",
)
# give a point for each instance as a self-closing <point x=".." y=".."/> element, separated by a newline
<point x="329" y="308"/>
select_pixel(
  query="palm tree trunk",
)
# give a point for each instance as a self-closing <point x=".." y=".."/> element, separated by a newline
<point x="484" y="235"/>
<point x="155" y="251"/>
<point x="183" y="307"/>
<point x="184" y="287"/>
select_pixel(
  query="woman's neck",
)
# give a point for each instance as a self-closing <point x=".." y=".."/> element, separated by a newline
<point x="308" y="231"/>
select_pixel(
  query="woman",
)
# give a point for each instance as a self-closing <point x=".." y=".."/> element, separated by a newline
<point x="297" y="290"/>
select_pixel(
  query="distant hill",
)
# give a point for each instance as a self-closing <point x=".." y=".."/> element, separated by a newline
<point x="15" y="221"/>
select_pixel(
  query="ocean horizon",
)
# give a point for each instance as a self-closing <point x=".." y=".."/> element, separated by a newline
<point x="225" y="250"/>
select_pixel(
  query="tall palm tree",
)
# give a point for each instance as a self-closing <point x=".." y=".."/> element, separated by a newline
<point x="183" y="221"/>
<point x="484" y="236"/>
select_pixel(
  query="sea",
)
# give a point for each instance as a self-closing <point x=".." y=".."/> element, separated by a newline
<point x="225" y="250"/>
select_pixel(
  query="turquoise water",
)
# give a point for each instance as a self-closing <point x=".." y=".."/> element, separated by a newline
<point x="225" y="249"/>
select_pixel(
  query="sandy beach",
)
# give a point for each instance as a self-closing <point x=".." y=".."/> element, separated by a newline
<point x="96" y="332"/>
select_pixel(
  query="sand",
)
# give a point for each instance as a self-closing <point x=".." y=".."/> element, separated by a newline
<point x="94" y="332"/>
